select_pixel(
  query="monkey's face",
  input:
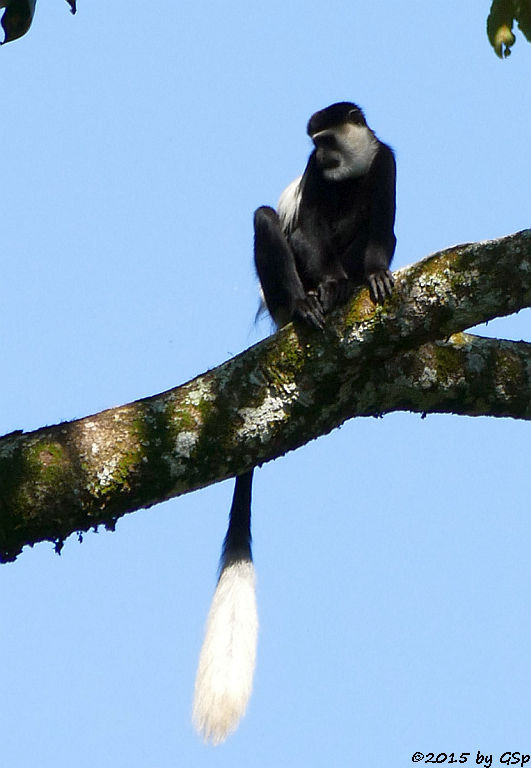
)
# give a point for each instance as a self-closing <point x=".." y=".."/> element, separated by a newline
<point x="344" y="151"/>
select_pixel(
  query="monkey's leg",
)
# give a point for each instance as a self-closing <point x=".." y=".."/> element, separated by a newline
<point x="283" y="290"/>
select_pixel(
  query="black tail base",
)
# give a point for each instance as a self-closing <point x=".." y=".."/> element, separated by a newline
<point x="237" y="543"/>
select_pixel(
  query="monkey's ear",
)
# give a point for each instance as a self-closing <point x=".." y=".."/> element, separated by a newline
<point x="355" y="116"/>
<point x="17" y="18"/>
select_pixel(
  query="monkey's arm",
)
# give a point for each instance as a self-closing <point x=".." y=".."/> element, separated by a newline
<point x="322" y="274"/>
<point x="284" y="292"/>
<point x="381" y="242"/>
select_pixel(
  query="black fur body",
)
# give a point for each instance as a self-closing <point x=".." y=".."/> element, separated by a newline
<point x="330" y="234"/>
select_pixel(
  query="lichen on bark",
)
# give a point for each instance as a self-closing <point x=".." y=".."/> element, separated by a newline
<point x="279" y="394"/>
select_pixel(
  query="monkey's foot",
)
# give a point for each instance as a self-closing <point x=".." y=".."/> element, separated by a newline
<point x="310" y="311"/>
<point x="380" y="285"/>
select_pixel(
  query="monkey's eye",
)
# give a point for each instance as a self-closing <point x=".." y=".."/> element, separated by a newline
<point x="354" y="116"/>
<point x="325" y="140"/>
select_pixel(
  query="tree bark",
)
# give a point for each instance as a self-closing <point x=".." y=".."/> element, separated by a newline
<point x="289" y="389"/>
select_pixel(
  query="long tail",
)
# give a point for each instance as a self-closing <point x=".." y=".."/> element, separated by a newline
<point x="226" y="663"/>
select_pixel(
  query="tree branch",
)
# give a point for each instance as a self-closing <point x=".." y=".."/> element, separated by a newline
<point x="289" y="389"/>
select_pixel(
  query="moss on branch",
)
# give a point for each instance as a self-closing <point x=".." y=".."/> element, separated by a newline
<point x="279" y="394"/>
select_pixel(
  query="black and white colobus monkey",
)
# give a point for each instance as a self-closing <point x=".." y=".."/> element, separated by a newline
<point x="333" y="231"/>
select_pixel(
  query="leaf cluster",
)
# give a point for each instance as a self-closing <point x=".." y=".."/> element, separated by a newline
<point x="500" y="21"/>
<point x="18" y="16"/>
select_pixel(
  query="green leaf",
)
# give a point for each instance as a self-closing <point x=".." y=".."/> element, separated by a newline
<point x="17" y="18"/>
<point x="503" y="14"/>
<point x="523" y="15"/>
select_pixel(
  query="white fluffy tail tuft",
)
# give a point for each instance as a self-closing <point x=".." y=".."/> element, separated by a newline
<point x="226" y="664"/>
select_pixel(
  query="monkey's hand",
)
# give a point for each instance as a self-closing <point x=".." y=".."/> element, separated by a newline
<point x="381" y="283"/>
<point x="333" y="291"/>
<point x="310" y="311"/>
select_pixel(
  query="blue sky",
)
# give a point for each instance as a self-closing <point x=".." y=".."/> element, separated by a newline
<point x="394" y="575"/>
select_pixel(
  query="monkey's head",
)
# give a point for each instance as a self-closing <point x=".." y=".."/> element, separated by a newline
<point x="345" y="146"/>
